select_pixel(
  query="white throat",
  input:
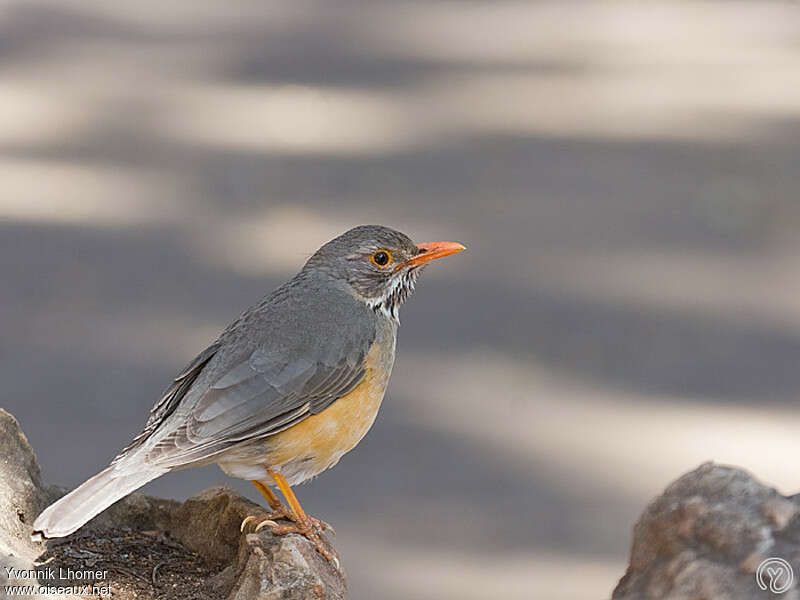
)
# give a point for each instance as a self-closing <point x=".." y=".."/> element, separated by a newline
<point x="400" y="289"/>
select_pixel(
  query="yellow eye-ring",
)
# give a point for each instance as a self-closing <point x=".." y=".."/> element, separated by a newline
<point x="381" y="258"/>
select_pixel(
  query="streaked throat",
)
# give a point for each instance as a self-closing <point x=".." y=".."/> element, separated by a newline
<point x="400" y="288"/>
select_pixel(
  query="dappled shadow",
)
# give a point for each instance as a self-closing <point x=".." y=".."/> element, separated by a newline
<point x="646" y="351"/>
<point x="625" y="184"/>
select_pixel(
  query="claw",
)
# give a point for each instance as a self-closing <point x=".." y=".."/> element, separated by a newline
<point x="265" y="523"/>
<point x="245" y="522"/>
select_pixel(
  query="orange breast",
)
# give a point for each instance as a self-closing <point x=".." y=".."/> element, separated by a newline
<point x="319" y="441"/>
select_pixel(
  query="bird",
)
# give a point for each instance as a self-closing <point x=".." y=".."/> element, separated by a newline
<point x="287" y="389"/>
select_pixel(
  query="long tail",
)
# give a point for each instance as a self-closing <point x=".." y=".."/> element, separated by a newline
<point x="89" y="499"/>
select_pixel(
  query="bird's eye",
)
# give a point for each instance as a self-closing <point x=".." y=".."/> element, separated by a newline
<point x="381" y="258"/>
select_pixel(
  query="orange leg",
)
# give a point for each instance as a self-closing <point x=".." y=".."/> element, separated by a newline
<point x="279" y="511"/>
<point x="298" y="515"/>
<point x="271" y="498"/>
<point x="294" y="503"/>
<point x="304" y="525"/>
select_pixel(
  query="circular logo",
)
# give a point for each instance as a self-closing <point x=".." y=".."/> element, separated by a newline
<point x="775" y="574"/>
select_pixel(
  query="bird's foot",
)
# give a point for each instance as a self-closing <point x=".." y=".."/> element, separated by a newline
<point x="281" y="511"/>
<point x="310" y="529"/>
<point x="317" y="524"/>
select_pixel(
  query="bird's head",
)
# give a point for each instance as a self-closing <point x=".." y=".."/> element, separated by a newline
<point x="379" y="264"/>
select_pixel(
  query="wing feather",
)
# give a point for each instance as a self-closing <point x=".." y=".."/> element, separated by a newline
<point x="256" y="399"/>
<point x="170" y="399"/>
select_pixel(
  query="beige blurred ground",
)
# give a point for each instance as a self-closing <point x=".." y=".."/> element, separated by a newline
<point x="625" y="176"/>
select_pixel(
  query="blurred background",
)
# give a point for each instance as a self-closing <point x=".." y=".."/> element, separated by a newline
<point x="625" y="176"/>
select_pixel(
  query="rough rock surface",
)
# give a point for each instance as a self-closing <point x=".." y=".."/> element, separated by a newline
<point x="153" y="548"/>
<point x="705" y="537"/>
<point x="22" y="496"/>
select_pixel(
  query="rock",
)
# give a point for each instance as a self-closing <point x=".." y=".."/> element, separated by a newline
<point x="259" y="566"/>
<point x="22" y="497"/>
<point x="706" y="536"/>
<point x="290" y="569"/>
<point x="144" y="547"/>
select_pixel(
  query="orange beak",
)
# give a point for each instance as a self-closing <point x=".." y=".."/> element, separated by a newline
<point x="431" y="251"/>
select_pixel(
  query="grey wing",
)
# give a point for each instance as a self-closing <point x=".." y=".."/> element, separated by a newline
<point x="171" y="398"/>
<point x="259" y="397"/>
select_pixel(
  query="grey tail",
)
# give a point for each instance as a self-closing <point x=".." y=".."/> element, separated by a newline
<point x="88" y="500"/>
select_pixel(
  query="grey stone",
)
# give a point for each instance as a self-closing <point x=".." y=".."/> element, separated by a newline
<point x="22" y="496"/>
<point x="705" y="537"/>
